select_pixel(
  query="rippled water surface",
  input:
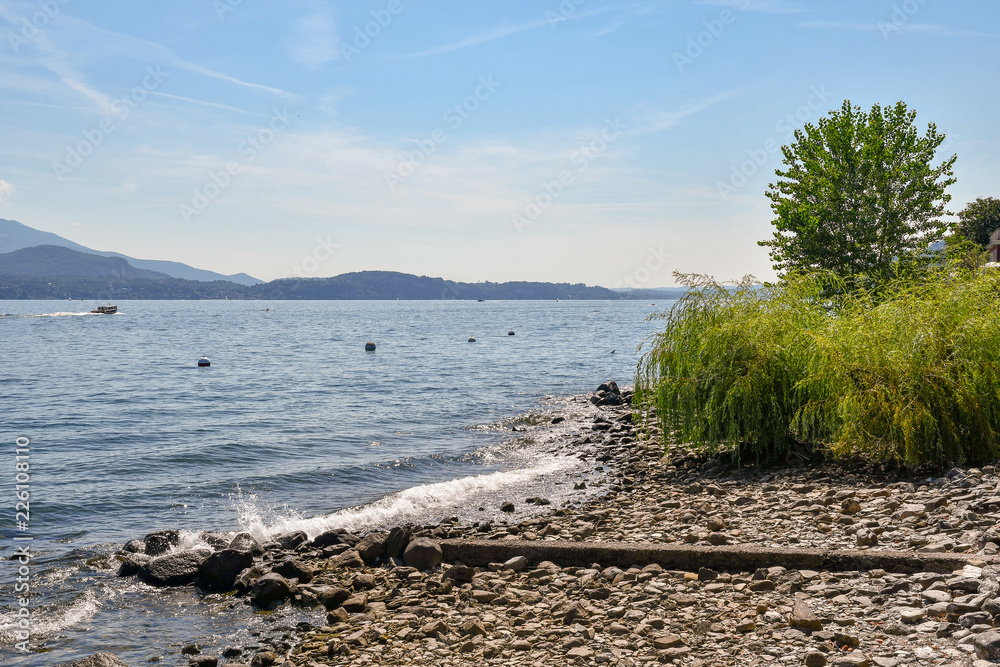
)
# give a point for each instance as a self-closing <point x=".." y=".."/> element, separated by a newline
<point x="293" y="426"/>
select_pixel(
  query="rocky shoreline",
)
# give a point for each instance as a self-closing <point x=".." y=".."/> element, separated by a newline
<point x="400" y="597"/>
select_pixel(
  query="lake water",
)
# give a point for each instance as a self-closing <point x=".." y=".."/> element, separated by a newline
<point x="294" y="426"/>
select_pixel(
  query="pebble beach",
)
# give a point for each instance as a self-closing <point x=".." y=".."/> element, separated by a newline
<point x="402" y="597"/>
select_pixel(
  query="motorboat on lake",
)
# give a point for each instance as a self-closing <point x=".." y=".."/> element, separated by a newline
<point x="105" y="310"/>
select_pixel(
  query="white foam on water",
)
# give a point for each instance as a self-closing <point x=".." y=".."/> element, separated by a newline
<point x="49" y="621"/>
<point x="407" y="505"/>
<point x="62" y="314"/>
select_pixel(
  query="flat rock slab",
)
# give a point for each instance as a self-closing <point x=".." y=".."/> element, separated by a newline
<point x="96" y="660"/>
<point x="729" y="558"/>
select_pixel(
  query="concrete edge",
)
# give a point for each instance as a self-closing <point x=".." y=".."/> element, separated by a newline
<point x="727" y="558"/>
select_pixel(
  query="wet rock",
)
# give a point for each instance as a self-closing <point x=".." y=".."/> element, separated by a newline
<point x="327" y="539"/>
<point x="349" y="559"/>
<point x="331" y="598"/>
<point x="294" y="569"/>
<point x="176" y="569"/>
<point x="103" y="659"/>
<point x="355" y="604"/>
<point x="271" y="587"/>
<point x="507" y="507"/>
<point x="422" y="553"/>
<point x="215" y="540"/>
<point x="247" y="578"/>
<point x="397" y="540"/>
<point x="372" y="546"/>
<point x="135" y="547"/>
<point x="247" y="542"/>
<point x="162" y="541"/>
<point x="219" y="571"/>
<point x="204" y="660"/>
<point x="131" y="563"/>
<point x="290" y="541"/>
<point x="264" y="659"/>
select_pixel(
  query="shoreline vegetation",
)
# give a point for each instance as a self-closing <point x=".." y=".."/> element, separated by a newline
<point x="901" y="372"/>
<point x="389" y="596"/>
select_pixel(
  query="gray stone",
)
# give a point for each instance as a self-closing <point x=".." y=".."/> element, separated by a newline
<point x="804" y="618"/>
<point x="422" y="553"/>
<point x="174" y="569"/>
<point x="814" y="659"/>
<point x="987" y="645"/>
<point x="131" y="563"/>
<point x="162" y="541"/>
<point x="270" y="588"/>
<point x="295" y="569"/>
<point x="331" y="598"/>
<point x="517" y="563"/>
<point x="291" y="540"/>
<point x="246" y="542"/>
<point x="219" y="571"/>
<point x="397" y="540"/>
<point x="372" y="546"/>
<point x="97" y="660"/>
<point x="204" y="661"/>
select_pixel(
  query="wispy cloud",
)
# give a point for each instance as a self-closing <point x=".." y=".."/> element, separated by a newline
<point x="657" y="120"/>
<point x="6" y="190"/>
<point x="761" y="6"/>
<point x="935" y="29"/>
<point x="214" y="105"/>
<point x="68" y="41"/>
<point x="506" y="30"/>
<point x="314" y="38"/>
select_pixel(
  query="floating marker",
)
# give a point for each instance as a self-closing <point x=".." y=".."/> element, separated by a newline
<point x="510" y="333"/>
<point x="204" y="361"/>
<point x="369" y="346"/>
<point x="471" y="339"/>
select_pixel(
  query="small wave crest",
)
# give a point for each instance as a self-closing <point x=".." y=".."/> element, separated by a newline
<point x="413" y="504"/>
<point x="47" y="620"/>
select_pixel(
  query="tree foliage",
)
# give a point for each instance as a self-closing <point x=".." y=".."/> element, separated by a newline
<point x="858" y="190"/>
<point x="979" y="219"/>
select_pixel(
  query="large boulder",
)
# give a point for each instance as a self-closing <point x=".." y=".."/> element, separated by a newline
<point x="162" y="541"/>
<point x="176" y="569"/>
<point x="247" y="542"/>
<point x="397" y="540"/>
<point x="219" y="571"/>
<point x="131" y="563"/>
<point x="295" y="569"/>
<point x="372" y="546"/>
<point x="290" y="541"/>
<point x="272" y="587"/>
<point x="329" y="538"/>
<point x="422" y="553"/>
<point x="987" y="645"/>
<point x="96" y="660"/>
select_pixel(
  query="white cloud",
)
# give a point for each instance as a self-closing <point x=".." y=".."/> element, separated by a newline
<point x="314" y="40"/>
<point x="6" y="190"/>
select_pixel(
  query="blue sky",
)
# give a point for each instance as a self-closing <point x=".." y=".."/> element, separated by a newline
<point x="581" y="141"/>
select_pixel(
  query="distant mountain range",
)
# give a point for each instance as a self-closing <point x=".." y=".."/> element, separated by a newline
<point x="61" y="270"/>
<point x="15" y="236"/>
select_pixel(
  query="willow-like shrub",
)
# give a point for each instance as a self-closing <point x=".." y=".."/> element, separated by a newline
<point x="905" y="371"/>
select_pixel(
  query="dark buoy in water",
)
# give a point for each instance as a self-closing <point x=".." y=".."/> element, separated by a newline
<point x="471" y="339"/>
<point x="204" y="362"/>
<point x="369" y="346"/>
<point x="510" y="333"/>
<point x="612" y="351"/>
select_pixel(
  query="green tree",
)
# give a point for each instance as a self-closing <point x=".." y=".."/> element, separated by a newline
<point x="978" y="220"/>
<point x="858" y="191"/>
